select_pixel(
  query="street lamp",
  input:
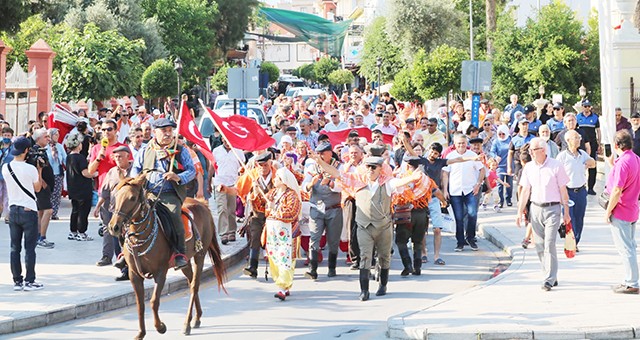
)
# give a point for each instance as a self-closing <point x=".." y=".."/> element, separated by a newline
<point x="378" y="64"/>
<point x="582" y="91"/>
<point x="177" y="65"/>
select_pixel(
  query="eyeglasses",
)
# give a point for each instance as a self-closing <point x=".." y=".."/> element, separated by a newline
<point x="431" y="125"/>
<point x="107" y="129"/>
<point x="334" y="115"/>
<point x="125" y="115"/>
<point x="535" y="149"/>
<point x="372" y="166"/>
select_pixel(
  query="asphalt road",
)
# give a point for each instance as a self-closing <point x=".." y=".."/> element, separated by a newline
<point x="315" y="310"/>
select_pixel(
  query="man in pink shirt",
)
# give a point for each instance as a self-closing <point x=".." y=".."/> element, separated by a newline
<point x="544" y="183"/>
<point x="622" y="210"/>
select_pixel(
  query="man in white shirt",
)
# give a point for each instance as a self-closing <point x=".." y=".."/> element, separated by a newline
<point x="368" y="117"/>
<point x="464" y="181"/>
<point x="224" y="180"/>
<point x="335" y="124"/>
<point x="386" y="126"/>
<point x="23" y="180"/>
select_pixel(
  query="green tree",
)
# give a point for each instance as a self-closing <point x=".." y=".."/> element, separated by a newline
<point x="323" y="67"/>
<point x="188" y="31"/>
<point x="425" y="24"/>
<point x="231" y="22"/>
<point x="30" y="31"/>
<point x="403" y="88"/>
<point x="271" y="69"/>
<point x="341" y="77"/>
<point x="434" y="75"/>
<point x="12" y="12"/>
<point x="377" y="44"/>
<point x="550" y="51"/>
<point x="220" y="80"/>
<point x="95" y="64"/>
<point x="125" y="16"/>
<point x="305" y="72"/>
<point x="159" y="80"/>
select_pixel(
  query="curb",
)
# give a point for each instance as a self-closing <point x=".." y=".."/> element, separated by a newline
<point x="398" y="329"/>
<point x="110" y="303"/>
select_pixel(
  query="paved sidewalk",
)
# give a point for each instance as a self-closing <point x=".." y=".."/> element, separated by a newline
<point x="513" y="305"/>
<point x="74" y="286"/>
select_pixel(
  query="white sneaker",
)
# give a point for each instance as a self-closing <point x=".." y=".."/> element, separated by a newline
<point x="484" y="206"/>
<point x="30" y="286"/>
<point x="72" y="236"/>
<point x="496" y="208"/>
<point x="45" y="244"/>
<point x="18" y="286"/>
<point x="83" y="237"/>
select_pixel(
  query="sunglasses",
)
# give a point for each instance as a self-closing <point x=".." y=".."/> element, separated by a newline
<point x="372" y="166"/>
<point x="108" y="129"/>
<point x="487" y="124"/>
<point x="556" y="109"/>
<point x="125" y="115"/>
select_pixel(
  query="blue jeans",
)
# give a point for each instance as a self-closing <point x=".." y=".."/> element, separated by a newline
<point x="23" y="222"/>
<point x="501" y="189"/>
<point x="465" y="206"/>
<point x="624" y="238"/>
<point x="577" y="211"/>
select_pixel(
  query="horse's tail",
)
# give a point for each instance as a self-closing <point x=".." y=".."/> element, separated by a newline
<point x="218" y="264"/>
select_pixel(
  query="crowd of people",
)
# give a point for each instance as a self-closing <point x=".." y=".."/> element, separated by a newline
<point x="345" y="174"/>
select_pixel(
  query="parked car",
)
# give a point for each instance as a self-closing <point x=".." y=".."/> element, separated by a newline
<point x="224" y="99"/>
<point x="307" y="93"/>
<point x="292" y="90"/>
<point x="254" y="112"/>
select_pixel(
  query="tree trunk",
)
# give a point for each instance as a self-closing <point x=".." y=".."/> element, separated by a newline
<point x="491" y="26"/>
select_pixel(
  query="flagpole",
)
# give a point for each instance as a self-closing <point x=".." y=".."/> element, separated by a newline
<point x="233" y="151"/>
<point x="175" y="139"/>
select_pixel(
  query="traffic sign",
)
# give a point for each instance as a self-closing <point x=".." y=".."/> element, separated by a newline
<point x="243" y="107"/>
<point x="476" y="76"/>
<point x="243" y="83"/>
<point x="475" y="109"/>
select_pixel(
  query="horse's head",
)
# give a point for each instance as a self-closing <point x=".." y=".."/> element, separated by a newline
<point x="129" y="203"/>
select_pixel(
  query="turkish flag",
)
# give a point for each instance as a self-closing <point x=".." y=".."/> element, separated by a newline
<point x="340" y="136"/>
<point x="187" y="128"/>
<point x="241" y="132"/>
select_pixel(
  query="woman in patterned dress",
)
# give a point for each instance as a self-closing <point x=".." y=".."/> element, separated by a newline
<point x="282" y="212"/>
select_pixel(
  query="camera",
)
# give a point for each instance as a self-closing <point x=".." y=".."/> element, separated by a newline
<point x="37" y="156"/>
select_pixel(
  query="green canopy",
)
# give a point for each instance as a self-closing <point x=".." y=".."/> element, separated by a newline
<point x="327" y="36"/>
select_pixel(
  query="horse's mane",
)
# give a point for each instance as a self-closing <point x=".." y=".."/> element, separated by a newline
<point x="135" y="181"/>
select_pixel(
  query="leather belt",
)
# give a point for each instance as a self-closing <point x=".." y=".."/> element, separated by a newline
<point x="544" y="205"/>
<point x="336" y="206"/>
<point x="576" y="189"/>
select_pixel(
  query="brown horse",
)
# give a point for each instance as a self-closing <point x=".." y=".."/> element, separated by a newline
<point x="148" y="252"/>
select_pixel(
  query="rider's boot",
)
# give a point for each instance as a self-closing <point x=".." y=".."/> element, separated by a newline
<point x="180" y="260"/>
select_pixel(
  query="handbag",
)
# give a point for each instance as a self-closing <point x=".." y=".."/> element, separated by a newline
<point x="603" y="199"/>
<point x="570" y="242"/>
<point x="402" y="213"/>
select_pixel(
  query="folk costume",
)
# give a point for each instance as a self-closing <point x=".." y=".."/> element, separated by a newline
<point x="247" y="186"/>
<point x="417" y="194"/>
<point x="282" y="214"/>
<point x="172" y="194"/>
<point x="325" y="215"/>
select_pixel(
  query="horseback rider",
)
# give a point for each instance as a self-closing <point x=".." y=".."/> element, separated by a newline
<point x="157" y="155"/>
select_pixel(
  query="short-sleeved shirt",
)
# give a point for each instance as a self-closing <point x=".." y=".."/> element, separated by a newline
<point x="434" y="170"/>
<point x="78" y="186"/>
<point x="534" y="126"/>
<point x="27" y="174"/>
<point x="107" y="163"/>
<point x="574" y="167"/>
<point x="624" y="174"/>
<point x="463" y="176"/>
<point x="545" y="180"/>
<point x="588" y="125"/>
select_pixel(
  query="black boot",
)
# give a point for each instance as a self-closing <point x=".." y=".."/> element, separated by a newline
<point x="384" y="279"/>
<point x="180" y="260"/>
<point x="313" y="266"/>
<point x="417" y="263"/>
<point x="333" y="259"/>
<point x="364" y="284"/>
<point x="406" y="261"/>
<point x="252" y="270"/>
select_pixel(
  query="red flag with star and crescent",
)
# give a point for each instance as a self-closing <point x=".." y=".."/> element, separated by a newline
<point x="241" y="132"/>
<point x="187" y="128"/>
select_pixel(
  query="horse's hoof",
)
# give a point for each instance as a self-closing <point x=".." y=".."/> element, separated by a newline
<point x="140" y="336"/>
<point x="196" y="324"/>
<point x="162" y="328"/>
<point x="186" y="330"/>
